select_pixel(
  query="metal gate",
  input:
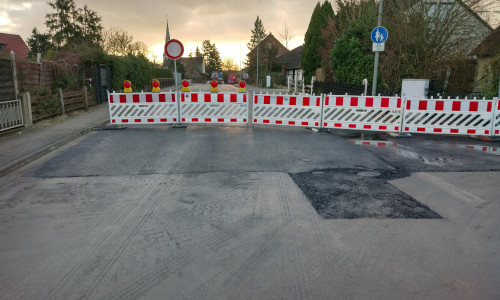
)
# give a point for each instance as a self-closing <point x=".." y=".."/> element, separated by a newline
<point x="11" y="114"/>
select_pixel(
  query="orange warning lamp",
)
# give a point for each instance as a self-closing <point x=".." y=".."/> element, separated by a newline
<point x="127" y="86"/>
<point x="185" y="86"/>
<point x="242" y="88"/>
<point x="156" y="86"/>
<point x="214" y="85"/>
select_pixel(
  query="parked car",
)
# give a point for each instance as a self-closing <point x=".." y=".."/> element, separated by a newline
<point x="231" y="80"/>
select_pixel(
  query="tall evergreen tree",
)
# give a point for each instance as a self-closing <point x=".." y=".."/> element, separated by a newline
<point x="89" y="25"/>
<point x="213" y="61"/>
<point x="197" y="53"/>
<point x="39" y="42"/>
<point x="311" y="58"/>
<point x="67" y="24"/>
<point x="258" y="34"/>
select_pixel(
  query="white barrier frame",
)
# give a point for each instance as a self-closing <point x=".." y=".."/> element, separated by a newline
<point x="448" y="116"/>
<point x="204" y="107"/>
<point x="496" y="119"/>
<point x="143" y="108"/>
<point x="362" y="113"/>
<point x="290" y="110"/>
<point x="387" y="114"/>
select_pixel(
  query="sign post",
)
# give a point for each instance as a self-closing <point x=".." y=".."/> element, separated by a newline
<point x="174" y="50"/>
<point x="379" y="36"/>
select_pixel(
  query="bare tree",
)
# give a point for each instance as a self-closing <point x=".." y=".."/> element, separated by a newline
<point x="430" y="38"/>
<point x="286" y="35"/>
<point x="116" y="41"/>
<point x="228" y="64"/>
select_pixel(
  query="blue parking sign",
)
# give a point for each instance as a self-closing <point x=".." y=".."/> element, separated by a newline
<point x="379" y="35"/>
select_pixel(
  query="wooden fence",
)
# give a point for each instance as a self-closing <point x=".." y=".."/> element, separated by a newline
<point x="59" y="104"/>
<point x="31" y="74"/>
<point x="7" y="87"/>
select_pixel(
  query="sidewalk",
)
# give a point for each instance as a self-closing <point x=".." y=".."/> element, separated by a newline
<point x="27" y="144"/>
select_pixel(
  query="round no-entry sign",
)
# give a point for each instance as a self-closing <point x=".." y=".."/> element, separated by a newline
<point x="174" y="49"/>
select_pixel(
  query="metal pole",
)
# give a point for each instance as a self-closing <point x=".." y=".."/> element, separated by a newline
<point x="175" y="75"/>
<point x="179" y="122"/>
<point x="258" y="60"/>
<point x="377" y="54"/>
<point x="499" y="85"/>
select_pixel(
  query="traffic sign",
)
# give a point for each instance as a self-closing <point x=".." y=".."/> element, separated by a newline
<point x="379" y="34"/>
<point x="378" y="47"/>
<point x="174" y="49"/>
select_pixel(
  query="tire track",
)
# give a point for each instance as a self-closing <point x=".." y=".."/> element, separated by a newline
<point x="130" y="237"/>
<point x="90" y="254"/>
<point x="135" y="289"/>
<point x="264" y="245"/>
<point x="301" y="286"/>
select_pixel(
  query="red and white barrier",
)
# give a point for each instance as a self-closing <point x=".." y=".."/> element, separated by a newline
<point x="142" y="108"/>
<point x="292" y="110"/>
<point x="362" y="113"/>
<point x="448" y="116"/>
<point x="214" y="108"/>
<point x="387" y="114"/>
<point x="496" y="119"/>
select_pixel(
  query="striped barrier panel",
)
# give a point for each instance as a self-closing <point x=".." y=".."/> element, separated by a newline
<point x="292" y="110"/>
<point x="496" y="119"/>
<point x="362" y="113"/>
<point x="448" y="116"/>
<point x="214" y="108"/>
<point x="142" y="108"/>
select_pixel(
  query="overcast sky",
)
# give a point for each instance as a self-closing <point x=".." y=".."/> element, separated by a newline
<point x="225" y="23"/>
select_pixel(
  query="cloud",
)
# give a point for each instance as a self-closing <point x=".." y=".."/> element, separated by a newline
<point x="228" y="24"/>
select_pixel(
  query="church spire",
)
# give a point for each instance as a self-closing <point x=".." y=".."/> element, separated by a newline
<point x="166" y="61"/>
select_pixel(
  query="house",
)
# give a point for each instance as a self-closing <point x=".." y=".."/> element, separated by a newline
<point x="13" y="42"/>
<point x="291" y="62"/>
<point x="269" y="49"/>
<point x="195" y="68"/>
<point x="470" y="26"/>
<point x="487" y="56"/>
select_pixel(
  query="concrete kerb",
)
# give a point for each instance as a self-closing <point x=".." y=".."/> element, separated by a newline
<point x="20" y="162"/>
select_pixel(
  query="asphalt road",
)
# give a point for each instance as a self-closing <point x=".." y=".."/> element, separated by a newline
<point x="218" y="212"/>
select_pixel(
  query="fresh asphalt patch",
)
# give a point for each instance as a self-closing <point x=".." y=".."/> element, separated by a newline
<point x="359" y="193"/>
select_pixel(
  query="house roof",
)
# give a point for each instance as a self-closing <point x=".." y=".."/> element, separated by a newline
<point x="270" y="39"/>
<point x="195" y="62"/>
<point x="490" y="45"/>
<point x="14" y="42"/>
<point x="292" y="59"/>
<point x="465" y="6"/>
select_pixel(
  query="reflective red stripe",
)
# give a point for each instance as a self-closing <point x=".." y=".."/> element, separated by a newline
<point x="473" y="106"/>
